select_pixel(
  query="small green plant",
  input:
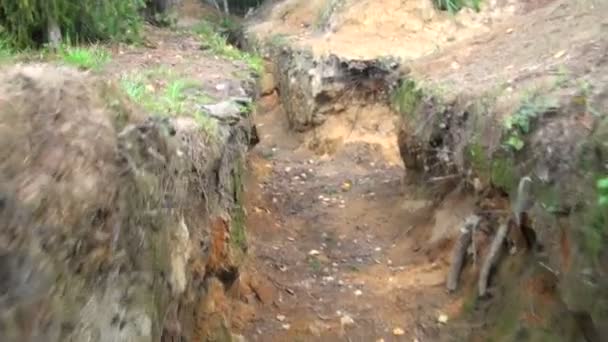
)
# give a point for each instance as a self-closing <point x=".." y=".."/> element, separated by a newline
<point x="454" y="6"/>
<point x="520" y="123"/>
<point x="602" y="190"/>
<point x="88" y="58"/>
<point x="315" y="265"/>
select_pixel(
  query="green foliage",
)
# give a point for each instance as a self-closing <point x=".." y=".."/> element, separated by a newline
<point x="602" y="190"/>
<point x="595" y="219"/>
<point x="26" y="21"/>
<point x="217" y="42"/>
<point x="454" y="6"/>
<point x="88" y="58"/>
<point x="519" y="124"/>
<point x="163" y="93"/>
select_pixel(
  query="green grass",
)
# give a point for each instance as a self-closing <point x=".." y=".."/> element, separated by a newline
<point x="166" y="94"/>
<point x="216" y="42"/>
<point x="454" y="6"/>
<point x="87" y="58"/>
<point x="406" y="98"/>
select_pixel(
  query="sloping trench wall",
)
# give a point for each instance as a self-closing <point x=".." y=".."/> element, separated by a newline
<point x="113" y="226"/>
<point x="460" y="137"/>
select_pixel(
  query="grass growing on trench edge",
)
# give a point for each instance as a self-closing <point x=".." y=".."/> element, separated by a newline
<point x="217" y="42"/>
<point x="164" y="93"/>
<point x="88" y="58"/>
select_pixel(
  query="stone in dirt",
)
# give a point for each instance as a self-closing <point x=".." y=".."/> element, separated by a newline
<point x="398" y="332"/>
<point x="346" y="320"/>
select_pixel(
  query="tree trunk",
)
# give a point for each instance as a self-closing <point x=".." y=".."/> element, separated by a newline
<point x="53" y="34"/>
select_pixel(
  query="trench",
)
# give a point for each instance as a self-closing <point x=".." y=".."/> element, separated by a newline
<point x="358" y="249"/>
<point x="353" y="251"/>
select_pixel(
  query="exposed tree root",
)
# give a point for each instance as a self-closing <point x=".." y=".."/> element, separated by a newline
<point x="460" y="251"/>
<point x="491" y="258"/>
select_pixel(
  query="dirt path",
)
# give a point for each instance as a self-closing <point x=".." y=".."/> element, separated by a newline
<point x="340" y="242"/>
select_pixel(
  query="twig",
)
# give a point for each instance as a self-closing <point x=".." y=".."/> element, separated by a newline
<point x="442" y="178"/>
<point x="556" y="273"/>
<point x="492" y="257"/>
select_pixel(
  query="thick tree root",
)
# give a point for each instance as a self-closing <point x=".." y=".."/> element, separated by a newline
<point x="460" y="251"/>
<point x="491" y="258"/>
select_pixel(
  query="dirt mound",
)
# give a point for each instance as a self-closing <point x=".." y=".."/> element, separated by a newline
<point x="80" y="212"/>
<point x="407" y="29"/>
<point x="104" y="214"/>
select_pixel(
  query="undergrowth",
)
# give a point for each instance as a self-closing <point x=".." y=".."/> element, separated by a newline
<point x="215" y="40"/>
<point x="165" y="94"/>
<point x="25" y="21"/>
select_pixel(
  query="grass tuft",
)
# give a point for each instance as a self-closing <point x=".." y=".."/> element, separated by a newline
<point x="165" y="94"/>
<point x="454" y="6"/>
<point x="87" y="58"/>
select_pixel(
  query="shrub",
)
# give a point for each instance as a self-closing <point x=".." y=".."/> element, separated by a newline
<point x="27" y="21"/>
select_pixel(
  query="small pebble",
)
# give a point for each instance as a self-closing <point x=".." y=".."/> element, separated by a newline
<point x="398" y="332"/>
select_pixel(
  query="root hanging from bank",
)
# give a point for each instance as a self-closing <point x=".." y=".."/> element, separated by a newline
<point x="460" y="251"/>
